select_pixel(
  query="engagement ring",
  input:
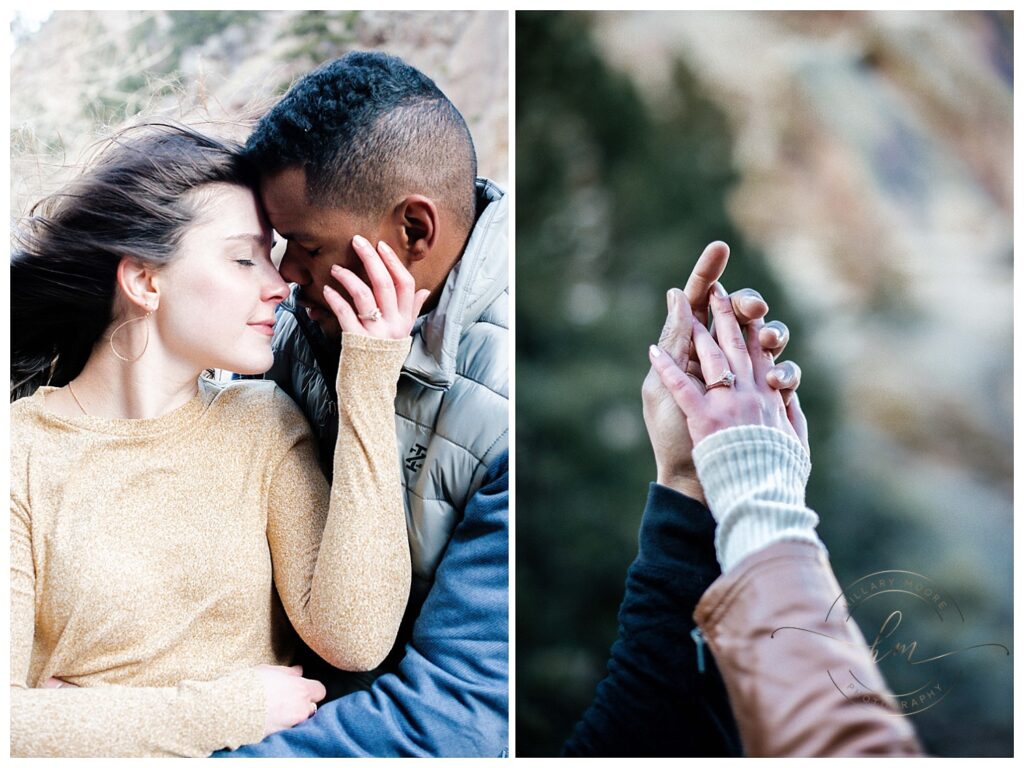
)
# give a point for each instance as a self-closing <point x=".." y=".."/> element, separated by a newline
<point x="726" y="381"/>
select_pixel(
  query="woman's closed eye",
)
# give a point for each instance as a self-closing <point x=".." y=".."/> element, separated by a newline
<point x="246" y="262"/>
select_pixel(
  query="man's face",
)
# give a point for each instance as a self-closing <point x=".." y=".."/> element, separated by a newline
<point x="317" y="239"/>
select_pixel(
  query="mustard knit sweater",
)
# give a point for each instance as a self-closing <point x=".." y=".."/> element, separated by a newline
<point x="145" y="555"/>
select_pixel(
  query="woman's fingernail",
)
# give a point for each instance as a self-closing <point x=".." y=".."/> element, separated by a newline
<point x="654" y="351"/>
<point x="361" y="241"/>
<point x="719" y="290"/>
<point x="382" y="246"/>
<point x="328" y="289"/>
<point x="671" y="298"/>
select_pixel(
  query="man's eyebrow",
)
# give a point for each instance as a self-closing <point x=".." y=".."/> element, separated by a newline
<point x="295" y="235"/>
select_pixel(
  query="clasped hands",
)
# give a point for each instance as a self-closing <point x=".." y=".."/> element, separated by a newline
<point x="665" y="390"/>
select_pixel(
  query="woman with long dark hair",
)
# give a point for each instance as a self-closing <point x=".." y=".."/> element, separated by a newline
<point x="165" y="527"/>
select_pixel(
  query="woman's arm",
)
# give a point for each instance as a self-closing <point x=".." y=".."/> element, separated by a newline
<point x="192" y="719"/>
<point x="341" y="554"/>
<point x="449" y="696"/>
<point x="778" y="575"/>
<point x="345" y="590"/>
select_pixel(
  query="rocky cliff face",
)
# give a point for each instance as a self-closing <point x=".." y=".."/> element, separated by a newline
<point x="84" y="70"/>
<point x="876" y="158"/>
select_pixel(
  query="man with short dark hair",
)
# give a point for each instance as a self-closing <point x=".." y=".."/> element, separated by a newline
<point x="367" y="146"/>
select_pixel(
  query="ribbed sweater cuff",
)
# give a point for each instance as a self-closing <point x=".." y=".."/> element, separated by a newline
<point x="754" y="479"/>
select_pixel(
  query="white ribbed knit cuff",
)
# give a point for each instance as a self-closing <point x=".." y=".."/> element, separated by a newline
<point x="754" y="479"/>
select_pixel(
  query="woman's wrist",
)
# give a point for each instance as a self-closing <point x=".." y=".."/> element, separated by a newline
<point x="754" y="479"/>
<point x="233" y="707"/>
<point x="350" y="340"/>
<point x="367" y="361"/>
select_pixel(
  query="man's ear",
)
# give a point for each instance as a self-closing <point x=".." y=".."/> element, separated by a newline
<point x="138" y="283"/>
<point x="419" y="225"/>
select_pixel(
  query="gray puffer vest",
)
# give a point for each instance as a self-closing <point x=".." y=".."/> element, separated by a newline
<point x="451" y="410"/>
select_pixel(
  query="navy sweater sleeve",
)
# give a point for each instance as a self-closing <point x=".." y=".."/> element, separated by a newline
<point x="450" y="694"/>
<point x="653" y="701"/>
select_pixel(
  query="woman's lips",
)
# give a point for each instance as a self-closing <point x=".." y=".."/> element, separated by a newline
<point x="266" y="328"/>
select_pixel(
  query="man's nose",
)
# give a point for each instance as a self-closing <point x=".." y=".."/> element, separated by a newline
<point x="291" y="267"/>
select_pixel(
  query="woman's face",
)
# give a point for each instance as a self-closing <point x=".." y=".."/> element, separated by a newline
<point x="217" y="298"/>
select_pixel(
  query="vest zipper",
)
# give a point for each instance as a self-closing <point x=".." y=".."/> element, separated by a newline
<point x="424" y="382"/>
<point x="698" y="640"/>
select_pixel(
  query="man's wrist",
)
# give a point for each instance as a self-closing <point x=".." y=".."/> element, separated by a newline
<point x="688" y="485"/>
<point x="677" y="535"/>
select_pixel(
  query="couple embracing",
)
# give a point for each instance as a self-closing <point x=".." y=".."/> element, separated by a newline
<point x="199" y="565"/>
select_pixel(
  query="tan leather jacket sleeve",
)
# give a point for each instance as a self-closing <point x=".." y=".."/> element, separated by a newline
<point x="783" y="698"/>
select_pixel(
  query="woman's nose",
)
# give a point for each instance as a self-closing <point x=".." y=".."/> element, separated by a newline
<point x="276" y="288"/>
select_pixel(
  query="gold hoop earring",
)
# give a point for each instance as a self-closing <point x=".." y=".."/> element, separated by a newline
<point x="145" y="344"/>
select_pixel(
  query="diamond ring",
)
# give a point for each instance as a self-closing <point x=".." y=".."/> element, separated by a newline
<point x="726" y="381"/>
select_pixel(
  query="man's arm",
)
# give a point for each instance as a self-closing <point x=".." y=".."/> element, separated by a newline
<point x="656" y="700"/>
<point x="449" y="696"/>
